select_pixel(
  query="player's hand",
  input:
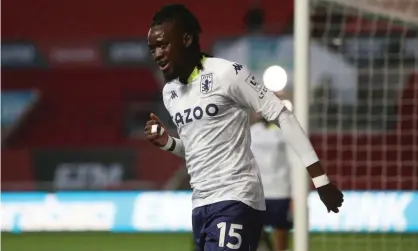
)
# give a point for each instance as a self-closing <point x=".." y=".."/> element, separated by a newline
<point x="331" y="196"/>
<point x="156" y="138"/>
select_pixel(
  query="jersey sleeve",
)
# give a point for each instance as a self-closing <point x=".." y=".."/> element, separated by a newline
<point x="246" y="90"/>
<point x="165" y="99"/>
<point x="178" y="146"/>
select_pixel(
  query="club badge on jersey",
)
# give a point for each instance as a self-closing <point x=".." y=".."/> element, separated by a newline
<point x="206" y="83"/>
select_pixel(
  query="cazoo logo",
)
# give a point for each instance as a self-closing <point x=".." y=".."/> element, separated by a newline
<point x="196" y="113"/>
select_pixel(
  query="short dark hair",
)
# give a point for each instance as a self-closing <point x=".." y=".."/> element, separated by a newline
<point x="179" y="13"/>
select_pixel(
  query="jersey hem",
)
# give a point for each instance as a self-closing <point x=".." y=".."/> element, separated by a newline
<point x="279" y="197"/>
<point x="261" y="205"/>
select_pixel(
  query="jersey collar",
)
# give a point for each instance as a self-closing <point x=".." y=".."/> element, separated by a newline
<point x="271" y="126"/>
<point x="195" y="72"/>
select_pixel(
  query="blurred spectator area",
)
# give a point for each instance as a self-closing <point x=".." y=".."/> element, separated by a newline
<point x="89" y="98"/>
<point x="65" y="21"/>
<point x="89" y="63"/>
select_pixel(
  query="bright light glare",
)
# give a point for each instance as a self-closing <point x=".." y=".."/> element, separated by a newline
<point x="288" y="104"/>
<point x="275" y="78"/>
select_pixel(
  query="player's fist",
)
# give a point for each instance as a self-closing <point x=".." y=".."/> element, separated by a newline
<point x="155" y="131"/>
<point x="331" y="196"/>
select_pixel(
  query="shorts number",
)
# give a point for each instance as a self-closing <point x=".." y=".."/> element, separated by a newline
<point x="232" y="233"/>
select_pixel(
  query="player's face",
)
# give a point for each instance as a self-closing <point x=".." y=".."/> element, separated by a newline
<point x="166" y="45"/>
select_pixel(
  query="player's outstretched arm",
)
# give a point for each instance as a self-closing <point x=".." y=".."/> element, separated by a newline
<point x="325" y="188"/>
<point x="330" y="195"/>
<point x="156" y="132"/>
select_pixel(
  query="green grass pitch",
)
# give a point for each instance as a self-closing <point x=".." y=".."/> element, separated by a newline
<point x="93" y="241"/>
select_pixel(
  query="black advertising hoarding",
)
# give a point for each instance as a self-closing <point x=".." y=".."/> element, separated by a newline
<point x="84" y="169"/>
<point x="113" y="52"/>
<point x="80" y="54"/>
<point x="20" y="54"/>
<point x="126" y="52"/>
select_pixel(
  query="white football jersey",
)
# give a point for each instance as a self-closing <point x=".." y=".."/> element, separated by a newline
<point x="269" y="149"/>
<point x="212" y="115"/>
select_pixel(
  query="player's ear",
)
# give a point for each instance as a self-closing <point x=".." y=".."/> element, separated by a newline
<point x="187" y="40"/>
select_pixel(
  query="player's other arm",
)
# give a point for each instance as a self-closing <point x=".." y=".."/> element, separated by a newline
<point x="245" y="90"/>
<point x="315" y="170"/>
<point x="156" y="132"/>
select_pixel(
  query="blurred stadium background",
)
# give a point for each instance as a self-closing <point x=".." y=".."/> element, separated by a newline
<point x="78" y="85"/>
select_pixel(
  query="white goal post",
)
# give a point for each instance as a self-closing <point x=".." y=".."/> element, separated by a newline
<point x="301" y="110"/>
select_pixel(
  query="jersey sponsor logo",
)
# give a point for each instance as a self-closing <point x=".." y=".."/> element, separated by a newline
<point x="206" y="83"/>
<point x="237" y="68"/>
<point x="191" y="114"/>
<point x="173" y="95"/>
<point x="252" y="81"/>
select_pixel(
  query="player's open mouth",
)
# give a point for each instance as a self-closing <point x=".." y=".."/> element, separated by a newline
<point x="163" y="66"/>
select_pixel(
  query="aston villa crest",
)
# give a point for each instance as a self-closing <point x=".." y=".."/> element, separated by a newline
<point x="206" y="83"/>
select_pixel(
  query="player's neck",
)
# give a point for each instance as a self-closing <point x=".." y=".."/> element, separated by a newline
<point x="184" y="77"/>
<point x="189" y="67"/>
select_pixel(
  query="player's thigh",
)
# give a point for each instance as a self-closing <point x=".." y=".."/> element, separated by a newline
<point x="278" y="215"/>
<point x="233" y="226"/>
<point x="198" y="225"/>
